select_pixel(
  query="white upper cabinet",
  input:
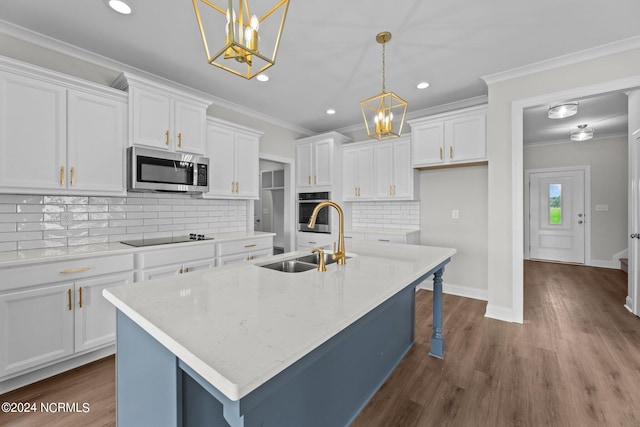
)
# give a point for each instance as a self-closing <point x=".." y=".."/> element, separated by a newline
<point x="95" y="148"/>
<point x="453" y="138"/>
<point x="357" y="174"/>
<point x="233" y="153"/>
<point x="379" y="170"/>
<point x="59" y="135"/>
<point x="315" y="158"/>
<point x="163" y="117"/>
<point x="394" y="175"/>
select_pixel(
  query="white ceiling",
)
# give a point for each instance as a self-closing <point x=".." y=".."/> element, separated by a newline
<point x="328" y="55"/>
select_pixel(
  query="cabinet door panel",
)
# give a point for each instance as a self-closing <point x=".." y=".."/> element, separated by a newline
<point x="365" y="173"/>
<point x="402" y="169"/>
<point x="96" y="135"/>
<point x="190" y="127"/>
<point x="466" y="138"/>
<point x="428" y="144"/>
<point x="304" y="173"/>
<point x="350" y="174"/>
<point x="246" y="163"/>
<point x="220" y="150"/>
<point x="151" y="118"/>
<point x="95" y="317"/>
<point x="37" y="327"/>
<point x="384" y="171"/>
<point x="323" y="163"/>
<point x="32" y="133"/>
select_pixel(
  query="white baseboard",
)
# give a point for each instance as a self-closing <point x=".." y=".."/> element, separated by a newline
<point x="628" y="304"/>
<point x="499" y="313"/>
<point x="49" y="371"/>
<point x="461" y="291"/>
<point x="615" y="264"/>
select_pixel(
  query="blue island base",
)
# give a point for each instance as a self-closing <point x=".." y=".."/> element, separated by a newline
<point x="327" y="387"/>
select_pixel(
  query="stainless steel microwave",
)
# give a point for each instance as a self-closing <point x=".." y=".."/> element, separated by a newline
<point x="157" y="170"/>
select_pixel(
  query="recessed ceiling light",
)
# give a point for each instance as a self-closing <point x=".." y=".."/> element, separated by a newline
<point x="120" y="6"/>
<point x="422" y="85"/>
<point x="263" y="77"/>
<point x="331" y="111"/>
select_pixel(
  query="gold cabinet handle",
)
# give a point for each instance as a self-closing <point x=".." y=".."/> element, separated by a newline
<point x="80" y="293"/>
<point x="166" y="137"/>
<point x="315" y="180"/>
<point x="69" y="299"/>
<point x="61" y="175"/>
<point x="394" y="189"/>
<point x="75" y="270"/>
<point x="309" y="179"/>
<point x="390" y="190"/>
<point x="250" y="245"/>
<point x="180" y="139"/>
<point x="186" y="269"/>
<point x="451" y="151"/>
<point x="237" y="187"/>
<point x="180" y="271"/>
<point x="358" y="191"/>
<point x="73" y="176"/>
<point x="233" y="186"/>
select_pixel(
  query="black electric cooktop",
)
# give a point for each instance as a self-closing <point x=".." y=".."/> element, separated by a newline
<point x="166" y="240"/>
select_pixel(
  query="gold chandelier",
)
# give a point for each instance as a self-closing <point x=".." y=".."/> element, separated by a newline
<point x="247" y="35"/>
<point x="384" y="113"/>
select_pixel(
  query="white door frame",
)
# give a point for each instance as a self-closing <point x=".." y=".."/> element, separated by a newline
<point x="289" y="200"/>
<point x="517" y="176"/>
<point x="587" y="203"/>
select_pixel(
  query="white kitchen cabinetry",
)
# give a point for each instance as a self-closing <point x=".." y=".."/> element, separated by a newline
<point x="315" y="158"/>
<point x="156" y="263"/>
<point x="163" y="117"/>
<point x="248" y="249"/>
<point x="50" y="312"/>
<point x="306" y="240"/>
<point x="59" y="135"/>
<point x="395" y="178"/>
<point x="357" y="173"/>
<point x="449" y="139"/>
<point x="233" y="153"/>
<point x="385" y="236"/>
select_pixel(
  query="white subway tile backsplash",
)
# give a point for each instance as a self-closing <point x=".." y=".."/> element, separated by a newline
<point x="33" y="221"/>
<point x="391" y="215"/>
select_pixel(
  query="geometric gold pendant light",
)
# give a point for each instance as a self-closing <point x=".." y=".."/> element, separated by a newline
<point x="384" y="113"/>
<point x="251" y="36"/>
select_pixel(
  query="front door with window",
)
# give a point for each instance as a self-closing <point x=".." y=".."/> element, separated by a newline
<point x="557" y="216"/>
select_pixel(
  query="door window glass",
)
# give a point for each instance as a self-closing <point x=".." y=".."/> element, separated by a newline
<point x="555" y="204"/>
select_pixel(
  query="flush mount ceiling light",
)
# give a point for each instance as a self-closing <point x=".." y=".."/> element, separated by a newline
<point x="422" y="85"/>
<point x="120" y="6"/>
<point x="262" y="78"/>
<point x="380" y="111"/>
<point x="583" y="133"/>
<point x="241" y="36"/>
<point x="561" y="111"/>
<point x="331" y="111"/>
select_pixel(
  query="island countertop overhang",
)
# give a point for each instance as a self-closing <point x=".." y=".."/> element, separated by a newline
<point x="239" y="326"/>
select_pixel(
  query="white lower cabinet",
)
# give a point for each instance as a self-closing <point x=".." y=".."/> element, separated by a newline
<point x="156" y="263"/>
<point x="46" y="319"/>
<point x="306" y="240"/>
<point x="409" y="237"/>
<point x="250" y="249"/>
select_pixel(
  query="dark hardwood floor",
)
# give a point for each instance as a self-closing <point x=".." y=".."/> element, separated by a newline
<point x="574" y="362"/>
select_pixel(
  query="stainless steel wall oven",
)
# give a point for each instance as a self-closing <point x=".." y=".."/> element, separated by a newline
<point x="306" y="204"/>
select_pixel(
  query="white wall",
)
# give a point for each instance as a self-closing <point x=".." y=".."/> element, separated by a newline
<point x="608" y="160"/>
<point x="463" y="189"/>
<point x="502" y="95"/>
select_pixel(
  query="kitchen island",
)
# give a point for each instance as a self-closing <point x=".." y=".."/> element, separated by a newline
<point x="245" y="345"/>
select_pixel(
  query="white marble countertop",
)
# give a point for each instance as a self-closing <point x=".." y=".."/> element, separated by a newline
<point x="36" y="256"/>
<point x="240" y="325"/>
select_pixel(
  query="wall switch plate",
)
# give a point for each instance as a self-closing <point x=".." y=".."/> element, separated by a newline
<point x="602" y="208"/>
<point x="455" y="214"/>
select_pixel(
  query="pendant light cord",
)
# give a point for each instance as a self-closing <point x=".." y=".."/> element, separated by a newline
<point x="383" y="66"/>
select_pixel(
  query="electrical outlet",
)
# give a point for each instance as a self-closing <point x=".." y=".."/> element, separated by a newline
<point x="455" y="214"/>
<point x="602" y="208"/>
<point x="66" y="218"/>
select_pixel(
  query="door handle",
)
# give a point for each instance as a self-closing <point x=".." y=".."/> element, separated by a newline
<point x="580" y="222"/>
<point x="634" y="235"/>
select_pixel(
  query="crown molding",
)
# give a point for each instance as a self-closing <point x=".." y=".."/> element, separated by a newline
<point x="568" y="141"/>
<point x="41" y="40"/>
<point x="561" y="61"/>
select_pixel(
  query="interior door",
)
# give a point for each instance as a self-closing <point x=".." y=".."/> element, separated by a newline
<point x="557" y="216"/>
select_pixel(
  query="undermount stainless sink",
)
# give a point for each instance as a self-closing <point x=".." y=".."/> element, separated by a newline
<point x="290" y="266"/>
<point x="300" y="264"/>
